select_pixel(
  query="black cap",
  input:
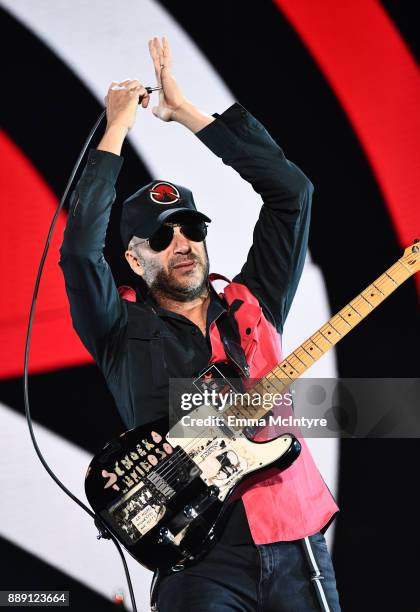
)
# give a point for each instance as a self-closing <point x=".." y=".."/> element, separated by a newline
<point x="147" y="209"/>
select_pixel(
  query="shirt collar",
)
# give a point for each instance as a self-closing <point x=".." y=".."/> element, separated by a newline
<point x="215" y="309"/>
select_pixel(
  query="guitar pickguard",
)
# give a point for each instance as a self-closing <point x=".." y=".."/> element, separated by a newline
<point x="223" y="455"/>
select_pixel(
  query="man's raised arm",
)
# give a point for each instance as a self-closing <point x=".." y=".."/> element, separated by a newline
<point x="275" y="261"/>
<point x="96" y="308"/>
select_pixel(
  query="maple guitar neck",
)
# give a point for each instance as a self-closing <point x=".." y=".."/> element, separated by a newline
<point x="327" y="336"/>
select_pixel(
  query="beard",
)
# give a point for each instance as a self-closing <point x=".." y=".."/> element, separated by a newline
<point x="166" y="283"/>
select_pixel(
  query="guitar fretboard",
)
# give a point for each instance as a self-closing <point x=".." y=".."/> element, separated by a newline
<point x="327" y="336"/>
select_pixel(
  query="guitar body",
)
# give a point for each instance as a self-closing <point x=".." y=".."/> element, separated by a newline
<point x="166" y="498"/>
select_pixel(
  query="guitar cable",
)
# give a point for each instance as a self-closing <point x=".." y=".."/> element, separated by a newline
<point x="103" y="531"/>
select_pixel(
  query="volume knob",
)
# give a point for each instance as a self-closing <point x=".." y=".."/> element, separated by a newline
<point x="190" y="512"/>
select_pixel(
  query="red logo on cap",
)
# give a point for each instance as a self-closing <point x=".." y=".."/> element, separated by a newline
<point x="164" y="193"/>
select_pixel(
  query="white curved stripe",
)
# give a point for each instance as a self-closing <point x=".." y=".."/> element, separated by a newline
<point x="37" y="516"/>
<point x="105" y="41"/>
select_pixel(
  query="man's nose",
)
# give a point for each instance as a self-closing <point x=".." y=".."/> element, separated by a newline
<point x="181" y="244"/>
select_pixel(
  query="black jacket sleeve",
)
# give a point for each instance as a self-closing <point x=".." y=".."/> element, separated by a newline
<point x="97" y="311"/>
<point x="275" y="260"/>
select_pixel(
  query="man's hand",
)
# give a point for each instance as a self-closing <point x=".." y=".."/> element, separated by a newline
<point x="123" y="98"/>
<point x="173" y="106"/>
<point x="170" y="96"/>
<point x="121" y="102"/>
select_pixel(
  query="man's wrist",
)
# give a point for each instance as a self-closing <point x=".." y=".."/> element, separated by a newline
<point x="113" y="138"/>
<point x="191" y="117"/>
<point x="117" y="127"/>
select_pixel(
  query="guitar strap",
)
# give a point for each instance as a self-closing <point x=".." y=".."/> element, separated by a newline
<point x="229" y="333"/>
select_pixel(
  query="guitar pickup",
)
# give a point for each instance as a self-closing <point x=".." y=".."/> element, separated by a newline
<point x="161" y="484"/>
<point x="174" y="474"/>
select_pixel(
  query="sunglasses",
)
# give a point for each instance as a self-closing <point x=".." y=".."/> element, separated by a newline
<point x="162" y="238"/>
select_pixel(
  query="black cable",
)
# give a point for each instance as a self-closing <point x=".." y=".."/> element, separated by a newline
<point x="104" y="533"/>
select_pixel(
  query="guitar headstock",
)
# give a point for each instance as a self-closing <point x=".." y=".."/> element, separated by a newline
<point x="411" y="257"/>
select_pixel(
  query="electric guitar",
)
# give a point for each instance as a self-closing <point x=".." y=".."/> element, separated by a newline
<point x="165" y="496"/>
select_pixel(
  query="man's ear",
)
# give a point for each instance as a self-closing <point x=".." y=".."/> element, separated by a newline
<point x="134" y="262"/>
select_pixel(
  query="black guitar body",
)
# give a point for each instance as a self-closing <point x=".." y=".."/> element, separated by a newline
<point x="155" y="499"/>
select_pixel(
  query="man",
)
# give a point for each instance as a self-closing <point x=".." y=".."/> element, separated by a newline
<point x="272" y="554"/>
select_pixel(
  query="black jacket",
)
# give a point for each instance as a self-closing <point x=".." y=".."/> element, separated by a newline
<point x="139" y="346"/>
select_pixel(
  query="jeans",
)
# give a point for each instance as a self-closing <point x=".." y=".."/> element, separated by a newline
<point x="274" y="577"/>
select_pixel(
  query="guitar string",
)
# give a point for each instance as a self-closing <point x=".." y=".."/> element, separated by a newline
<point x="379" y="283"/>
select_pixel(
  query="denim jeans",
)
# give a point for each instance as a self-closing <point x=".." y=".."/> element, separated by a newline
<point x="253" y="578"/>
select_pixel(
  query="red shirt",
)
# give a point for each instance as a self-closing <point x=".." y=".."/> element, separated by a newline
<point x="280" y="505"/>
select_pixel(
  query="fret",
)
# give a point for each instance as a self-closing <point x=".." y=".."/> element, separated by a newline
<point x="363" y="298"/>
<point x="296" y="363"/>
<point x="355" y="311"/>
<point x="288" y="370"/>
<point x="361" y="306"/>
<point x="385" y="284"/>
<point x="312" y="349"/>
<point x="390" y="277"/>
<point x="372" y="295"/>
<point x="375" y="284"/>
<point x="321" y="343"/>
<point x="348" y="315"/>
<point x="331" y="334"/>
<point x="399" y="272"/>
<point x="276" y="381"/>
<point x="268" y="386"/>
<point x="304" y="357"/>
<point x="340" y="325"/>
<point x="346" y="322"/>
<point x="285" y="381"/>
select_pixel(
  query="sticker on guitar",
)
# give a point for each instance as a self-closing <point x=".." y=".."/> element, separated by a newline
<point x="219" y="463"/>
<point x="137" y="462"/>
<point x="137" y="512"/>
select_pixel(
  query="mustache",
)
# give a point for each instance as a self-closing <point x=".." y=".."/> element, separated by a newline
<point x="184" y="259"/>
